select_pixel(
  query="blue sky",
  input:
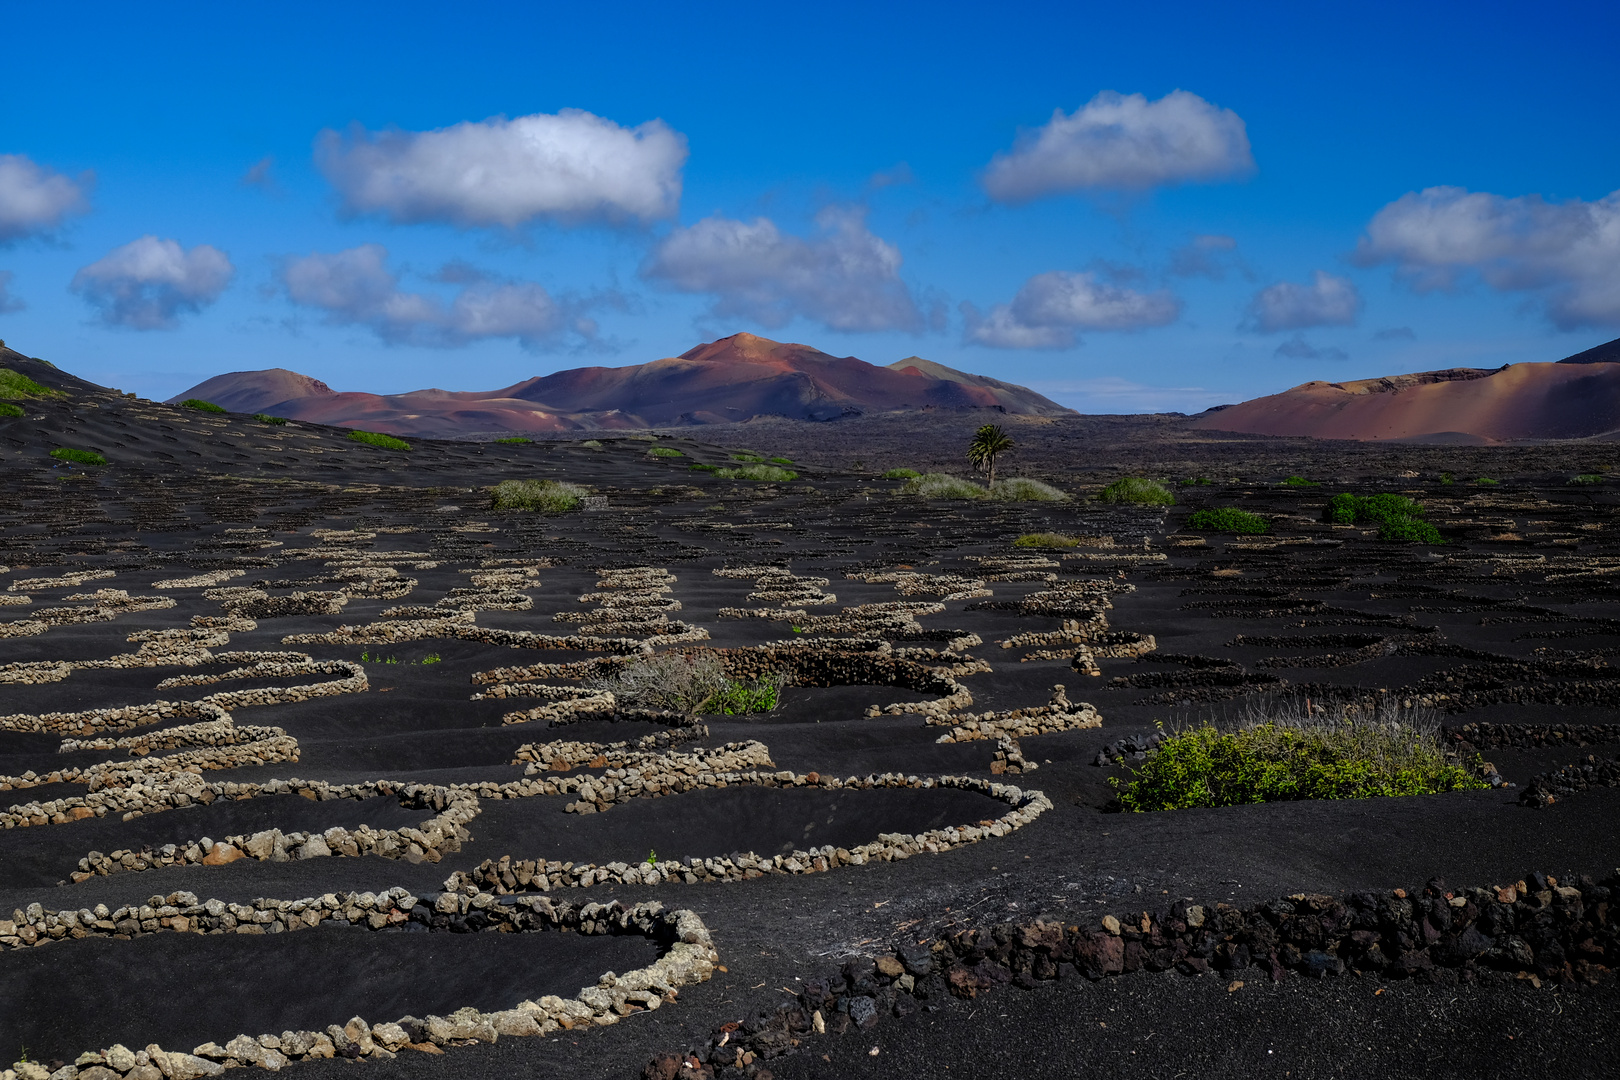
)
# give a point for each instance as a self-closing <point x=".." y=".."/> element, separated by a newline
<point x="1146" y="208"/>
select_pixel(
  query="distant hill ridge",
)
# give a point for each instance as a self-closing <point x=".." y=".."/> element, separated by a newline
<point x="734" y="379"/>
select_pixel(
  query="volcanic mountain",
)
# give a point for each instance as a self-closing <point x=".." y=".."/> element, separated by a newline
<point x="736" y="378"/>
<point x="1577" y="397"/>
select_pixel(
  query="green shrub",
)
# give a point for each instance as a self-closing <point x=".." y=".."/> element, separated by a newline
<point x="1023" y="489"/>
<point x="514" y="440"/>
<point x="1587" y="478"/>
<point x="781" y="461"/>
<point x="1227" y="519"/>
<point x="1049" y="540"/>
<point x="266" y="418"/>
<point x="664" y="451"/>
<point x="1280" y="760"/>
<point x="740" y="698"/>
<point x="385" y="442"/>
<point x="16" y="385"/>
<point x="943" y="486"/>
<point x="1447" y="478"/>
<point x="749" y="457"/>
<point x="1398" y="517"/>
<point x="592" y="444"/>
<point x="200" y="405"/>
<point x="757" y="472"/>
<point x="691" y="683"/>
<point x="1300" y="481"/>
<point x="700" y="467"/>
<point x="78" y="457"/>
<point x="545" y="496"/>
<point x="8" y="409"/>
<point x="901" y="474"/>
<point x="1486" y="480"/>
<point x="1195" y="481"/>
<point x="1134" y="489"/>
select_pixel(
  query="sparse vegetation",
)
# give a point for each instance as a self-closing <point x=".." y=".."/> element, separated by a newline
<point x="1195" y="481"/>
<point x="664" y="451"/>
<point x="989" y="443"/>
<point x="690" y="683"/>
<point x="1023" y="489"/>
<point x="200" y="405"/>
<point x="1289" y="754"/>
<point x="1227" y="519"/>
<point x="1486" y="480"/>
<point x="377" y="439"/>
<point x="8" y="409"/>
<point x="757" y="472"/>
<point x="1587" y="478"/>
<point x="1397" y="517"/>
<point x="592" y="444"/>
<point x="943" y="486"/>
<point x="266" y="418"/>
<point x="16" y="386"/>
<point x="1046" y="540"/>
<point x="78" y="457"/>
<point x="1135" y="489"/>
<point x="542" y="496"/>
<point x="749" y="457"/>
<point x="901" y="474"/>
<point x="698" y="466"/>
<point x="786" y="461"/>
<point x="514" y="440"/>
<point x="1300" y="482"/>
<point x="1447" y="478"/>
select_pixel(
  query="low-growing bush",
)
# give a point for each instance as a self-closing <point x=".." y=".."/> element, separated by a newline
<point x="664" y="451"/>
<point x="1398" y="517"/>
<point x="698" y="466"/>
<point x="544" y="496"/>
<point x="374" y="438"/>
<point x="943" y="486"/>
<point x="1290" y="756"/>
<point x="1195" y="481"/>
<point x="740" y="698"/>
<point x="1023" y="489"/>
<point x="1049" y="540"/>
<point x="1300" y="481"/>
<point x="1486" y="480"/>
<point x="266" y="418"/>
<point x="200" y="405"/>
<point x="78" y="457"/>
<point x="1587" y="478"/>
<point x="690" y="683"/>
<point x="16" y="386"/>
<point x="780" y="461"/>
<point x="757" y="472"/>
<point x="592" y="444"/>
<point x="1227" y="519"/>
<point x="514" y="440"/>
<point x="1447" y="478"/>
<point x="8" y="409"/>
<point x="749" y="457"/>
<point x="901" y="474"/>
<point x="1134" y="489"/>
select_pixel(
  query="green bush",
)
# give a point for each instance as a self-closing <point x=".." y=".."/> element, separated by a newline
<point x="691" y="683"/>
<point x="1279" y="761"/>
<point x="1134" y="489"/>
<point x="545" y="496"/>
<point x="266" y="418"/>
<point x="592" y="444"/>
<point x="200" y="405"/>
<point x="755" y="459"/>
<point x="780" y="461"/>
<point x="1049" y="540"/>
<point x="8" y="409"/>
<point x="1410" y="531"/>
<point x="664" y="451"/>
<point x="1587" y="478"/>
<point x="1195" y="481"/>
<point x="1447" y="478"/>
<point x="740" y="698"/>
<point x="943" y="486"/>
<point x="385" y="442"/>
<point x="901" y="474"/>
<point x="1486" y="480"/>
<point x="78" y="457"/>
<point x="514" y="440"/>
<point x="16" y="385"/>
<point x="757" y="472"/>
<point x="1398" y="517"/>
<point x="1227" y="519"/>
<point x="1023" y="489"/>
<point x="700" y="467"/>
<point x="1300" y="481"/>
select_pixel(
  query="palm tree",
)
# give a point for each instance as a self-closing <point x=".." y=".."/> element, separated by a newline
<point x="987" y="442"/>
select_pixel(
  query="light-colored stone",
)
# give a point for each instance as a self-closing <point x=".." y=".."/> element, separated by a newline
<point x="391" y="1036"/>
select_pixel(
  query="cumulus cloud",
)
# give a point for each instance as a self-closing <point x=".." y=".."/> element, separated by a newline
<point x="572" y="167"/>
<point x="1567" y="254"/>
<point x="1209" y="256"/>
<point x="7" y="301"/>
<point x="1287" y="305"/>
<point x="1123" y="142"/>
<point x="148" y="283"/>
<point x="844" y="277"/>
<point x="33" y="199"/>
<point x="1050" y="308"/>
<point x="1297" y="348"/>
<point x="356" y="287"/>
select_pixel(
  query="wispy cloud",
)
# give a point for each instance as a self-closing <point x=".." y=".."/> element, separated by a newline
<point x="1297" y="348"/>
<point x="1326" y="301"/>
<point x="35" y="200"/>
<point x="147" y="284"/>
<point x="1049" y="310"/>
<point x="8" y="302"/>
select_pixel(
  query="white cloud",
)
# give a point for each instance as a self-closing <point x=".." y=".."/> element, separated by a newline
<point x="1297" y="348"/>
<point x="1120" y="141"/>
<point x="355" y="287"/>
<point x="7" y="301"/>
<point x="148" y="283"/>
<point x="1287" y="305"/>
<point x="34" y="199"/>
<point x="1049" y="308"/>
<point x="844" y="278"/>
<point x="1565" y="253"/>
<point x="572" y="166"/>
